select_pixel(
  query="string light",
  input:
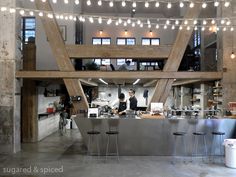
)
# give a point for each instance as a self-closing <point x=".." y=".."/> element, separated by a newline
<point x="181" y="4"/>
<point x="99" y="3"/>
<point x="66" y="1"/>
<point x="173" y="27"/>
<point x="177" y="22"/>
<point x="89" y="3"/>
<point x="195" y="22"/>
<point x="77" y="2"/>
<point x="169" y="5"/>
<point x="111" y="4"/>
<point x="157" y="26"/>
<point x="157" y="4"/>
<point x="204" y="5"/>
<point x="227" y="4"/>
<point x="123" y="3"/>
<point x="54" y="1"/>
<point x="204" y="22"/>
<point x="232" y="56"/>
<point x="213" y="21"/>
<point x="134" y="4"/>
<point x="191" y="5"/>
<point x="146" y="4"/>
<point x="216" y="3"/>
<point x="100" y="20"/>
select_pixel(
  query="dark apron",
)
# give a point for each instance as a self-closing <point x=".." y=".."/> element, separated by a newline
<point x="122" y="106"/>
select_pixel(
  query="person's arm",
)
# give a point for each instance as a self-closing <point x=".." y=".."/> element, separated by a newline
<point x="115" y="104"/>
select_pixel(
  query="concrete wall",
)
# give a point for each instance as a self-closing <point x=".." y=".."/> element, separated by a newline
<point x="9" y="87"/>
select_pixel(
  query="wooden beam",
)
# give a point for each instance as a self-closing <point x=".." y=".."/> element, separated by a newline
<point x="117" y="51"/>
<point x="118" y="75"/>
<point x="59" y="51"/>
<point x="150" y="83"/>
<point x="163" y="86"/>
<point x="185" y="82"/>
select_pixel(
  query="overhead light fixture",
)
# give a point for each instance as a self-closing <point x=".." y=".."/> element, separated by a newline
<point x="104" y="82"/>
<point x="169" y="5"/>
<point x="99" y="2"/>
<point x="232" y="56"/>
<point x="126" y="32"/>
<point x="137" y="81"/>
<point x="77" y="2"/>
<point x="157" y="26"/>
<point x="150" y="32"/>
<point x="100" y="32"/>
<point x="111" y="4"/>
<point x="181" y="4"/>
<point x="123" y="3"/>
<point x="146" y="4"/>
<point x="204" y="5"/>
<point x="191" y="5"/>
<point x="134" y="4"/>
<point x="89" y="3"/>
<point x="157" y="4"/>
<point x="216" y="3"/>
<point x="227" y="3"/>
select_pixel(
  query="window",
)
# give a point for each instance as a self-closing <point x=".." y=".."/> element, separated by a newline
<point x="150" y="41"/>
<point x="102" y="41"/>
<point x="125" y="41"/>
<point x="28" y="28"/>
<point x="197" y="42"/>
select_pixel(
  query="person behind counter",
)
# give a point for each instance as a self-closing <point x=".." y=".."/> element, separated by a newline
<point x="125" y="66"/>
<point x="119" y="106"/>
<point x="133" y="100"/>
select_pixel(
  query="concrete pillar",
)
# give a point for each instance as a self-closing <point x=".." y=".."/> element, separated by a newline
<point x="9" y="87"/>
<point x="229" y="65"/>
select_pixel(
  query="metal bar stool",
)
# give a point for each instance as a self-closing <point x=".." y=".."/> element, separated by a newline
<point x="182" y="136"/>
<point x="112" y="132"/>
<point x="92" y="134"/>
<point x="196" y="136"/>
<point x="217" y="135"/>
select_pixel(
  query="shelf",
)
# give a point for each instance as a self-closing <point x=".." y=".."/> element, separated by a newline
<point x="217" y="87"/>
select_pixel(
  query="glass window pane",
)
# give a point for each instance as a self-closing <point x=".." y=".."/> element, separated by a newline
<point x="97" y="41"/>
<point x="29" y="23"/>
<point x="155" y="41"/>
<point x="131" y="61"/>
<point x="145" y="41"/>
<point x="120" y="61"/>
<point x="121" y="41"/>
<point x="130" y="41"/>
<point x="97" y="61"/>
<point x="29" y="34"/>
<point x="106" y="61"/>
<point x="106" y="41"/>
<point x="144" y="63"/>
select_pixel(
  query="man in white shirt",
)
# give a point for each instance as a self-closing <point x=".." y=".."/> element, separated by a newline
<point x="125" y="66"/>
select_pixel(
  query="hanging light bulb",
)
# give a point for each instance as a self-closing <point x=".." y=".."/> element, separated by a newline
<point x="134" y="4"/>
<point x="180" y="27"/>
<point x="191" y="5"/>
<point x="188" y="28"/>
<point x="177" y="22"/>
<point x="195" y="22"/>
<point x="77" y="2"/>
<point x="195" y="28"/>
<point x="224" y="29"/>
<point x="186" y="22"/>
<point x="148" y="21"/>
<point x="31" y="13"/>
<point x="89" y="3"/>
<point x="167" y="22"/>
<point x="232" y="56"/>
<point x="117" y="23"/>
<point x="146" y="4"/>
<point x="222" y="21"/>
<point x="57" y="16"/>
<point x="125" y="23"/>
<point x="54" y="1"/>
<point x="62" y="17"/>
<point x="100" y="20"/>
<point x="66" y="18"/>
<point x="227" y="3"/>
<point x="50" y="15"/>
<point x="173" y="27"/>
<point x="228" y="22"/>
<point x="138" y="22"/>
<point x="43" y="0"/>
<point x="120" y="20"/>
<point x="232" y="29"/>
<point x="109" y="21"/>
<point x="169" y="5"/>
<point x="71" y="17"/>
<point x="66" y="1"/>
<point x="22" y="12"/>
<point x="111" y="4"/>
<point x="133" y="24"/>
<point x="213" y="21"/>
<point x="128" y="21"/>
<point x="32" y="0"/>
<point x="157" y="26"/>
<point x="141" y="25"/>
<point x="12" y="10"/>
<point x="157" y="4"/>
<point x="204" y="22"/>
<point x="216" y="3"/>
<point x="165" y="27"/>
<point x="204" y="5"/>
<point x="210" y="28"/>
<point x="41" y="14"/>
<point x="203" y="28"/>
<point x="100" y="2"/>
<point x="149" y="25"/>
<point x="123" y="3"/>
<point x="181" y="4"/>
<point x="3" y="9"/>
<point x="91" y="19"/>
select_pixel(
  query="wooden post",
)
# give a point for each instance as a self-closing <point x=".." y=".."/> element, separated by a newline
<point x="163" y="86"/>
<point x="29" y="108"/>
<point x="60" y="53"/>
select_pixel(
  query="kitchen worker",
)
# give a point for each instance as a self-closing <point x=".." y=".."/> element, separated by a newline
<point x="120" y="105"/>
<point x="133" y="102"/>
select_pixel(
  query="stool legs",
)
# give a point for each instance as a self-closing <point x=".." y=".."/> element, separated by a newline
<point x="108" y="146"/>
<point x="91" y="141"/>
<point x="196" y="146"/>
<point x="175" y="146"/>
<point x="214" y="146"/>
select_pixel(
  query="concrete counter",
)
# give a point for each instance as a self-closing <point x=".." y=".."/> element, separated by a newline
<point x="154" y="136"/>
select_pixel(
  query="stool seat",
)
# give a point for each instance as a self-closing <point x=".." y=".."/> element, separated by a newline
<point x="93" y="132"/>
<point x="112" y="132"/>
<point x="199" y="133"/>
<point x="179" y="133"/>
<point x="218" y="133"/>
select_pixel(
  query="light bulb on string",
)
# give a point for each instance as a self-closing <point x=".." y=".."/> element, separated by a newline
<point x="89" y="3"/>
<point x="77" y="2"/>
<point x="111" y="4"/>
<point x="66" y="1"/>
<point x="167" y="22"/>
<point x="232" y="29"/>
<point x="165" y="27"/>
<point x="157" y="4"/>
<point x="91" y="19"/>
<point x="203" y="28"/>
<point x="138" y="22"/>
<point x="120" y="20"/>
<point x="54" y="1"/>
<point x="141" y="25"/>
<point x="224" y="29"/>
<point x="32" y="0"/>
<point x="157" y="26"/>
<point x="222" y="21"/>
<point x="216" y="3"/>
<point x="228" y="22"/>
<point x="41" y="14"/>
<point x="195" y="22"/>
<point x="117" y="23"/>
<point x="134" y="4"/>
<point x="204" y="5"/>
<point x="123" y="3"/>
<point x="188" y="28"/>
<point x="177" y="22"/>
<point x="195" y="28"/>
<point x="173" y="27"/>
<point x="210" y="28"/>
<point x="186" y="22"/>
<point x="204" y="22"/>
<point x="227" y="3"/>
<point x="213" y="21"/>
<point x="133" y="24"/>
<point x="125" y="23"/>
<point x="146" y="4"/>
<point x="31" y="13"/>
<point x="232" y="56"/>
<point x="3" y="9"/>
<point x="181" y="4"/>
<point x="128" y="21"/>
<point x="149" y="25"/>
<point x="71" y="17"/>
<point x="191" y="5"/>
<point x="169" y="5"/>
<point x="109" y="21"/>
<point x="12" y="10"/>
<point x="148" y="21"/>
<point x="66" y="18"/>
<point x="99" y="2"/>
<point x="43" y="0"/>
<point x="180" y="27"/>
<point x="62" y="17"/>
<point x="22" y="12"/>
<point x="100" y="20"/>
<point x="57" y="16"/>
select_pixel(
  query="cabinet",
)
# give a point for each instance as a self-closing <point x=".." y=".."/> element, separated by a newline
<point x="217" y="95"/>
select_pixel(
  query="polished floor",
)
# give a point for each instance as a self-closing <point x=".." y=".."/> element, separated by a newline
<point x="65" y="156"/>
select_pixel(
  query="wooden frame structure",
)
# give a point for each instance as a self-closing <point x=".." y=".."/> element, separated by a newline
<point x="63" y="53"/>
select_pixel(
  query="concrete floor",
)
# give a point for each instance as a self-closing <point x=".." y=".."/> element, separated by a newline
<point x="68" y="152"/>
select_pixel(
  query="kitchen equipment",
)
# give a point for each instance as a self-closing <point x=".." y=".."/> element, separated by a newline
<point x="93" y="112"/>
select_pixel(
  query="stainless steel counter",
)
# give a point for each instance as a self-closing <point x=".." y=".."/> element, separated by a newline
<point x="154" y="136"/>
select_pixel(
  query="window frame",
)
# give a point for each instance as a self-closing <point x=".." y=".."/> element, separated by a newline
<point x="150" y="41"/>
<point x="24" y="29"/>
<point x="126" y="38"/>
